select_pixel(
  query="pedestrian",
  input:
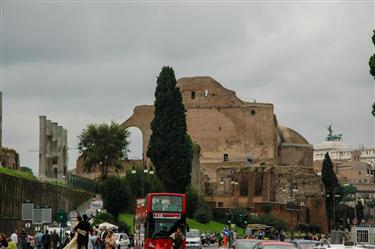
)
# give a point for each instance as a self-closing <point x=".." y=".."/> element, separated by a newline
<point x="31" y="240"/>
<point x="14" y="237"/>
<point x="3" y="241"/>
<point x="66" y="241"/>
<point x="23" y="240"/>
<point x="109" y="242"/>
<point x="38" y="240"/>
<point x="103" y="236"/>
<point x="83" y="229"/>
<point x="46" y="240"/>
<point x="55" y="238"/>
<point x="177" y="238"/>
<point x="11" y="244"/>
<point x="92" y="240"/>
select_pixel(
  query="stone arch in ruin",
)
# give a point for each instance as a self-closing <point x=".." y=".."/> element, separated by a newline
<point x="141" y="119"/>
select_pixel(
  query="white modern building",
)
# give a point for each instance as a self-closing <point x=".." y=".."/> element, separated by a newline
<point x="340" y="151"/>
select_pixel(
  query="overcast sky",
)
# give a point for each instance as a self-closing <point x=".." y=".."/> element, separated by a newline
<point x="89" y="62"/>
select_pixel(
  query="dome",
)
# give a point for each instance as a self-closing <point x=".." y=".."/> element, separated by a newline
<point x="331" y="145"/>
<point x="291" y="136"/>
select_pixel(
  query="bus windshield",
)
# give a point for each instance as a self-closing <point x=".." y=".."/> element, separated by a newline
<point x="167" y="203"/>
<point x="161" y="228"/>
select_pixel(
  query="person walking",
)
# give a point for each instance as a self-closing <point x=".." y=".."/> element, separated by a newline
<point x="93" y="240"/>
<point x="38" y="240"/>
<point x="109" y="242"/>
<point x="46" y="240"/>
<point x="11" y="244"/>
<point x="177" y="238"/>
<point x="83" y="229"/>
<point x="3" y="241"/>
<point x="14" y="237"/>
<point x="55" y="238"/>
<point x="103" y="236"/>
<point x="23" y="239"/>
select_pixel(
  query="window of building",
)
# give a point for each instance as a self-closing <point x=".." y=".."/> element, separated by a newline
<point x="220" y="204"/>
<point x="192" y="95"/>
<point x="226" y="158"/>
<point x="252" y="112"/>
<point x="206" y="93"/>
<point x="244" y="185"/>
<point x="359" y="172"/>
<point x="219" y="128"/>
<point x="259" y="183"/>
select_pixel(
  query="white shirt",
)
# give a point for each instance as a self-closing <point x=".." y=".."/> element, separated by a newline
<point x="14" y="238"/>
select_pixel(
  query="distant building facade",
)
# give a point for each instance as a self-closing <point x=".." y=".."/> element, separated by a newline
<point x="352" y="166"/>
<point x="53" y="149"/>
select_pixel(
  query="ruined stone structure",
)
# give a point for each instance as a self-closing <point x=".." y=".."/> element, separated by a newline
<point x="53" y="149"/>
<point x="246" y="157"/>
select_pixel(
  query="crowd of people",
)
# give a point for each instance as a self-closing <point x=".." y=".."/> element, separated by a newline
<point x="82" y="236"/>
<point x="27" y="240"/>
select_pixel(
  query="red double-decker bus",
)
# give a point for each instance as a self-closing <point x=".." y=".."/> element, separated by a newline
<point x="157" y="217"/>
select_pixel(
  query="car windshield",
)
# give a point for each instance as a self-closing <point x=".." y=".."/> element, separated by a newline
<point x="246" y="244"/>
<point x="279" y="247"/>
<point x="193" y="233"/>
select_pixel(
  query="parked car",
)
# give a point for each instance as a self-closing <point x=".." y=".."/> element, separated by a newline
<point x="193" y="239"/>
<point x="305" y="244"/>
<point x="122" y="240"/>
<point x="245" y="243"/>
<point x="274" y="245"/>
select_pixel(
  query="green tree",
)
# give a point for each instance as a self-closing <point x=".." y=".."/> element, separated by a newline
<point x="103" y="145"/>
<point x="116" y="195"/>
<point x="170" y="148"/>
<point x="192" y="202"/>
<point x="372" y="68"/>
<point x="203" y="213"/>
<point x="331" y="184"/>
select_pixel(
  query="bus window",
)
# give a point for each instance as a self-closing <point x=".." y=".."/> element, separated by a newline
<point x="167" y="203"/>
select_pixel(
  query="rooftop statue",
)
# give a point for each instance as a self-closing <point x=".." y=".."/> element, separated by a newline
<point x="331" y="136"/>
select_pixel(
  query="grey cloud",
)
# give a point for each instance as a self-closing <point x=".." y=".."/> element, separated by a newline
<point x="84" y="63"/>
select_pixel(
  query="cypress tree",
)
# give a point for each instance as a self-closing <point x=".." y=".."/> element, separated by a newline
<point x="331" y="184"/>
<point x="170" y="147"/>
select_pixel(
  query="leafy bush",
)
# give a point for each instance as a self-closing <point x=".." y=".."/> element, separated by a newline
<point x="123" y="226"/>
<point x="203" y="214"/>
<point x="116" y="194"/>
<point x="193" y="199"/>
<point x="103" y="216"/>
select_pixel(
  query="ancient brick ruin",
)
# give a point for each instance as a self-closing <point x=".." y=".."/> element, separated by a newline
<point x="246" y="158"/>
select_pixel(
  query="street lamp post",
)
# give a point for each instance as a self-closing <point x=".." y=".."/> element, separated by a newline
<point x="334" y="195"/>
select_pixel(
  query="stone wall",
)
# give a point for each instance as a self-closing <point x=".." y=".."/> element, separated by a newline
<point x="225" y="127"/>
<point x="307" y="214"/>
<point x="14" y="191"/>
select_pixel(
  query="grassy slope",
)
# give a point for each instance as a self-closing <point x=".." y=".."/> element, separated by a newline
<point x="17" y="173"/>
<point x="212" y="226"/>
